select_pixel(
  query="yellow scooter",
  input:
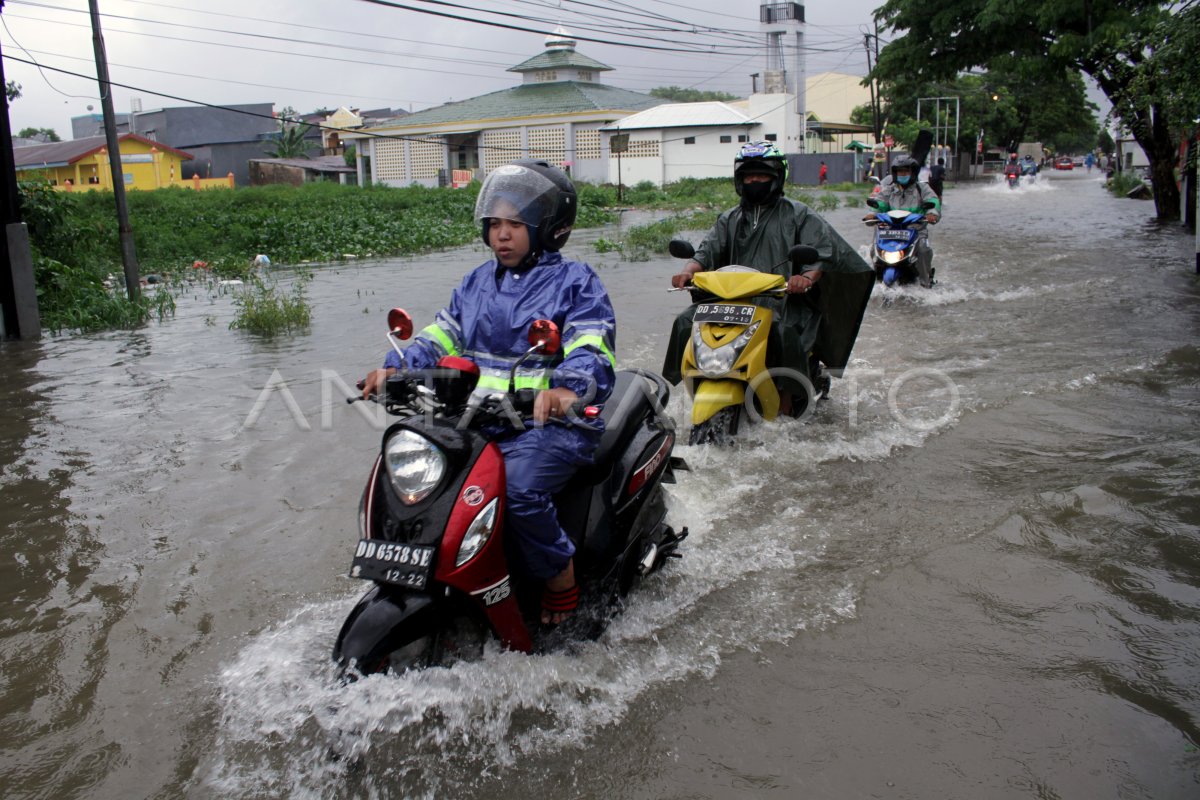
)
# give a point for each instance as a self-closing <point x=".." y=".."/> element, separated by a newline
<point x="725" y="360"/>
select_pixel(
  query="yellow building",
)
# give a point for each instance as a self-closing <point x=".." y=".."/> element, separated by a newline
<point x="84" y="163"/>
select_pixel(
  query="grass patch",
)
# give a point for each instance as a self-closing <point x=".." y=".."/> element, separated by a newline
<point x="264" y="309"/>
<point x="1122" y="183"/>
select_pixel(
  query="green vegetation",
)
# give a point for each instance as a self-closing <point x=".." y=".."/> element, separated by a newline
<point x="78" y="262"/>
<point x="290" y="142"/>
<point x="29" y="133"/>
<point x="76" y="246"/>
<point x="1122" y="183"/>
<point x="264" y="309"/>
<point x="1141" y="53"/>
<point x="695" y="204"/>
<point x="1009" y="103"/>
<point x="678" y="94"/>
<point x="316" y="222"/>
<point x="73" y="287"/>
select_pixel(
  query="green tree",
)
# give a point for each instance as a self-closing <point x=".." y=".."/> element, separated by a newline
<point x="1116" y="43"/>
<point x="677" y="94"/>
<point x="29" y="133"/>
<point x="290" y="141"/>
<point x="12" y="90"/>
<point x="1009" y="103"/>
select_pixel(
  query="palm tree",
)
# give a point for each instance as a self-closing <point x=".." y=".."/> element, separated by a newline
<point x="290" y="142"/>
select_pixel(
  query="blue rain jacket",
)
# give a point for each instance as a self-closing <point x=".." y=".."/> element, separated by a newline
<point x="488" y="322"/>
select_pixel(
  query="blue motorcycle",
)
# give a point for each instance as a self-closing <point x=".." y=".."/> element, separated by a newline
<point x="894" y="253"/>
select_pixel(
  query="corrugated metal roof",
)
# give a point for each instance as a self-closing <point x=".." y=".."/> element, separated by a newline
<point x="682" y="115"/>
<point x="531" y="100"/>
<point x="316" y="164"/>
<point x="71" y="151"/>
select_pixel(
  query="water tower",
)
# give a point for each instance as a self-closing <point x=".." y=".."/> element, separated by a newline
<point x="783" y="25"/>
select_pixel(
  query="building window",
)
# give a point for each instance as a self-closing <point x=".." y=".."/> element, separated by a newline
<point x="689" y="140"/>
<point x="726" y="139"/>
<point x="743" y="137"/>
<point x="585" y="76"/>
<point x="770" y="137"/>
<point x="546" y="75"/>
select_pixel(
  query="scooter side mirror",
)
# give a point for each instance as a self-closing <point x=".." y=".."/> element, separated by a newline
<point x="400" y="324"/>
<point x="802" y="255"/>
<point x="544" y="335"/>
<point x="875" y="204"/>
<point x="681" y="249"/>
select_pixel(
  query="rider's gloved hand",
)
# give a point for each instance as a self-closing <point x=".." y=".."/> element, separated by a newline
<point x="373" y="383"/>
<point x="931" y="218"/>
<point x="553" y="403"/>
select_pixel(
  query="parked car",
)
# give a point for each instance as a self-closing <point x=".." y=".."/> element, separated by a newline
<point x="1066" y="162"/>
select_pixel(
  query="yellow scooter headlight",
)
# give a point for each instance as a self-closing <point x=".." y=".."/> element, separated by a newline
<point x="714" y="362"/>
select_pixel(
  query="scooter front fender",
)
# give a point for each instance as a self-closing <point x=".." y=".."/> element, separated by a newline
<point x="713" y="395"/>
<point x="381" y="622"/>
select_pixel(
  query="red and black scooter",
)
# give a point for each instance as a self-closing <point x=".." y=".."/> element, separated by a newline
<point x="431" y="519"/>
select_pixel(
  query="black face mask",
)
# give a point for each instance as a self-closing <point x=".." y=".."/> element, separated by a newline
<point x="755" y="194"/>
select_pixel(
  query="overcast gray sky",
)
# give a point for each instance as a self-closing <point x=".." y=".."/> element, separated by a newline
<point x="310" y="54"/>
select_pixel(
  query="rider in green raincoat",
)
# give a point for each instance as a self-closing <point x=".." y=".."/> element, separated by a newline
<point x="818" y="321"/>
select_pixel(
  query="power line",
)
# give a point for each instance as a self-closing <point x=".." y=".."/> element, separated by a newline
<point x="211" y="79"/>
<point x="402" y="7"/>
<point x="358" y="132"/>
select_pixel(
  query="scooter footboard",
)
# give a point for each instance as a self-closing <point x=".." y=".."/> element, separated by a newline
<point x="381" y="623"/>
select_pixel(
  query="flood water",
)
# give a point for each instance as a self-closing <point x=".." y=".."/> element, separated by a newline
<point x="974" y="573"/>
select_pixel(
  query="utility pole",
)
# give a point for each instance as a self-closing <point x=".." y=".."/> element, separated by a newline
<point x="128" y="253"/>
<point x="18" y="291"/>
<point x="874" y="104"/>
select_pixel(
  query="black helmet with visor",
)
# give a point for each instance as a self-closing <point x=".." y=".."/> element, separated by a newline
<point x="760" y="158"/>
<point x="539" y="196"/>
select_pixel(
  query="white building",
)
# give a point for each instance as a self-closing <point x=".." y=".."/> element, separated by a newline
<point x="556" y="113"/>
<point x="699" y="140"/>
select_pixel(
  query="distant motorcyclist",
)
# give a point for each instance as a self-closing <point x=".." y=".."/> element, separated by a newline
<point x="819" y="321"/>
<point x="1028" y="165"/>
<point x="1012" y="168"/>
<point x="902" y="190"/>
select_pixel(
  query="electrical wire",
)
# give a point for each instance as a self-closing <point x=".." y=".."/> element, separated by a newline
<point x="403" y="7"/>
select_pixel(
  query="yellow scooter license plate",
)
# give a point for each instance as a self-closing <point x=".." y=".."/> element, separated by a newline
<point x="724" y="314"/>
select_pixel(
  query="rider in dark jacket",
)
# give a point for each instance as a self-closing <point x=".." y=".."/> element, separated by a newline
<point x="819" y="320"/>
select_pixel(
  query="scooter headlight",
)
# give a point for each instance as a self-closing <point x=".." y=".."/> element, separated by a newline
<point x="717" y="361"/>
<point x="414" y="464"/>
<point x="478" y="533"/>
<point x="893" y="256"/>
